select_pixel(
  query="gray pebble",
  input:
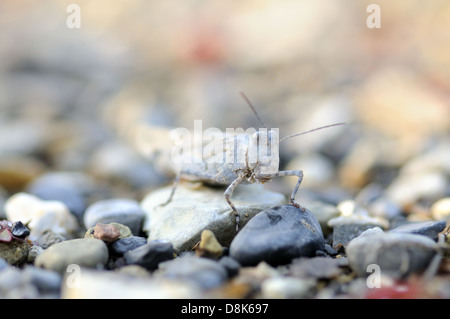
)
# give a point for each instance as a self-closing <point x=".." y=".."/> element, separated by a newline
<point x="430" y="228"/>
<point x="191" y="211"/>
<point x="121" y="246"/>
<point x="150" y="255"/>
<point x="202" y="272"/>
<point x="231" y="265"/>
<point x="346" y="228"/>
<point x="122" y="211"/>
<point x="397" y="254"/>
<point x="317" y="267"/>
<point x="278" y="235"/>
<point x="84" y="252"/>
<point x="3" y="264"/>
<point x="44" y="280"/>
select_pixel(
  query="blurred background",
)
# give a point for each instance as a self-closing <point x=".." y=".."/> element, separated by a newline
<point x="70" y="97"/>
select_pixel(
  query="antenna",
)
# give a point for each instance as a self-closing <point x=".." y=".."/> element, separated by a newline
<point x="316" y="129"/>
<point x="251" y="106"/>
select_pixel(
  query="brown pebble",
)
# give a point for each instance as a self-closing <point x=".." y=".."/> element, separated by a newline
<point x="208" y="246"/>
<point x="106" y="232"/>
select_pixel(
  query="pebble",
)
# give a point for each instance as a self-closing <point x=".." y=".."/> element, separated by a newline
<point x="150" y="255"/>
<point x="407" y="189"/>
<point x="277" y="235"/>
<point x="95" y="284"/>
<point x="209" y="247"/>
<point x="124" y="231"/>
<point x="324" y="212"/>
<point x="430" y="229"/>
<point x="106" y="232"/>
<point x="231" y="265"/>
<point x="346" y="228"/>
<point x="316" y="267"/>
<point x="85" y="252"/>
<point x="70" y="188"/>
<point x="122" y="211"/>
<point x="15" y="252"/>
<point x="34" y="251"/>
<point x="3" y="264"/>
<point x="288" y="288"/>
<point x="49" y="238"/>
<point x="202" y="272"/>
<point x="19" y="230"/>
<point x="29" y="283"/>
<point x="441" y="209"/>
<point x="397" y="254"/>
<point x="354" y="220"/>
<point x="192" y="210"/>
<point x="41" y="215"/>
<point x="44" y="280"/>
<point x="121" y="246"/>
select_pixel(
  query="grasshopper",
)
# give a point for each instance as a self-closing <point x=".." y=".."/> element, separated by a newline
<point x="259" y="162"/>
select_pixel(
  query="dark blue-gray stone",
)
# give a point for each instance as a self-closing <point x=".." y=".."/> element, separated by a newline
<point x="121" y="246"/>
<point x="277" y="235"/>
<point x="19" y="230"/>
<point x="428" y="228"/>
<point x="150" y="255"/>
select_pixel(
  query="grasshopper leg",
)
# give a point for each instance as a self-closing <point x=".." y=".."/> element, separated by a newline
<point x="299" y="174"/>
<point x="228" y="194"/>
<point x="174" y="187"/>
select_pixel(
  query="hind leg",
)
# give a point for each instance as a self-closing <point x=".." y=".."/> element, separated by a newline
<point x="299" y="174"/>
<point x="228" y="194"/>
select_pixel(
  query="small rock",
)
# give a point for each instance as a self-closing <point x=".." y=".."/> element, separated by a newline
<point x="407" y="189"/>
<point x="70" y="188"/>
<point x="44" y="280"/>
<point x="441" y="209"/>
<point x="324" y="212"/>
<point x="15" y="252"/>
<point x="49" y="238"/>
<point x="346" y="228"/>
<point x="192" y="210"/>
<point x="33" y="253"/>
<point x="41" y="215"/>
<point x="150" y="255"/>
<point x="384" y="208"/>
<point x="317" y="267"/>
<point x="84" y="252"/>
<point x="124" y="231"/>
<point x="134" y="271"/>
<point x="231" y="265"/>
<point x="202" y="272"/>
<point x="121" y="246"/>
<point x="20" y="230"/>
<point x="277" y="235"/>
<point x="5" y="235"/>
<point x="122" y="211"/>
<point x="397" y="254"/>
<point x="116" y="285"/>
<point x="3" y="264"/>
<point x="430" y="229"/>
<point x="209" y="247"/>
<point x="288" y="288"/>
<point x="106" y="232"/>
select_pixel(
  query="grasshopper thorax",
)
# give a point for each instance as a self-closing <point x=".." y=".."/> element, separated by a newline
<point x="263" y="154"/>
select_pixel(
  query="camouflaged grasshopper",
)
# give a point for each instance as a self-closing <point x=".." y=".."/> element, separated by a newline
<point x="237" y="158"/>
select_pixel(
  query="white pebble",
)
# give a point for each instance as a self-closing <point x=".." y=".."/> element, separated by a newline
<point x="41" y="215"/>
